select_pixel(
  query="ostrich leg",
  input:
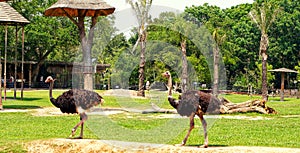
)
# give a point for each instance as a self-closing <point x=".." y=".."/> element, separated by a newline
<point x="204" y="124"/>
<point x="83" y="118"/>
<point x="192" y="124"/>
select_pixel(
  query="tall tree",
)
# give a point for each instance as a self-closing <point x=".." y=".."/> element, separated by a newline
<point x="219" y="39"/>
<point x="263" y="15"/>
<point x="215" y="20"/>
<point x="178" y="31"/>
<point x="141" y="8"/>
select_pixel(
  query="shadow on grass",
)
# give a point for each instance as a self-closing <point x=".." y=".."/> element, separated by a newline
<point x="20" y="107"/>
<point x="24" y="99"/>
<point x="286" y="99"/>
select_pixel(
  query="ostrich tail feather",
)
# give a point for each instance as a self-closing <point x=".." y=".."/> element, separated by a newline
<point x="173" y="102"/>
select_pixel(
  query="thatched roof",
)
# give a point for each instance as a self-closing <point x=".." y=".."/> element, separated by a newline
<point x="75" y="8"/>
<point x="10" y="16"/>
<point x="283" y="70"/>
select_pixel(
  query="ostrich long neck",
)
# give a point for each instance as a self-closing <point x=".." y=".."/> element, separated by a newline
<point x="174" y="103"/>
<point x="170" y="86"/>
<point x="53" y="101"/>
<point x="50" y="89"/>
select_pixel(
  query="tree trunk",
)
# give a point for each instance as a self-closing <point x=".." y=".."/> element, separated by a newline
<point x="141" y="91"/>
<point x="86" y="44"/>
<point x="216" y="71"/>
<point x="184" y="77"/>
<point x="1" y="105"/>
<point x="264" y="42"/>
<point x="39" y="64"/>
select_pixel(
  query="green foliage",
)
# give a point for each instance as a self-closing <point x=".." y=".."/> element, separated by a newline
<point x="45" y="35"/>
<point x="241" y="49"/>
<point x="174" y="29"/>
<point x="270" y="76"/>
<point x="284" y="47"/>
<point x="264" y="14"/>
<point x="56" y="39"/>
<point x="298" y="69"/>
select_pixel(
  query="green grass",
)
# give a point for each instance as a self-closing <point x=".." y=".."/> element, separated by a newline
<point x="281" y="130"/>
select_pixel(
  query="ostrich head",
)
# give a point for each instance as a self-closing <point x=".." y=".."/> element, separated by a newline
<point x="49" y="79"/>
<point x="167" y="74"/>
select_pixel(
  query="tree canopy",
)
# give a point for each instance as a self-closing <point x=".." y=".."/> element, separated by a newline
<point x="56" y="39"/>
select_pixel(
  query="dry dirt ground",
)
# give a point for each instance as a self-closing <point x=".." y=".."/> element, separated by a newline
<point x="97" y="146"/>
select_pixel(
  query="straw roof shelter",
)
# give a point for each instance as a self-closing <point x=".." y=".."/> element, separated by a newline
<point x="10" y="17"/>
<point x="76" y="11"/>
<point x="74" y="8"/>
<point x="283" y="71"/>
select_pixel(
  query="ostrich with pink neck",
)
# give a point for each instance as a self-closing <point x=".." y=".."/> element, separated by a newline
<point x="192" y="103"/>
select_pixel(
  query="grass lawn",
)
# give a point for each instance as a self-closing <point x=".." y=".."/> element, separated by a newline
<point x="280" y="130"/>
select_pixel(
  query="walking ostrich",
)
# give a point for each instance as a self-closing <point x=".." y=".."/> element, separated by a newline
<point x="193" y="103"/>
<point x="75" y="101"/>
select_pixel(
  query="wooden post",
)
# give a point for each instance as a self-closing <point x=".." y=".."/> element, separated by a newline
<point x="30" y="71"/>
<point x="22" y="67"/>
<point x="5" y="54"/>
<point x="282" y="87"/>
<point x="1" y="106"/>
<point x="16" y="65"/>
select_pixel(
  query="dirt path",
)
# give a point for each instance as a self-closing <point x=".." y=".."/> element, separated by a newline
<point x="104" y="146"/>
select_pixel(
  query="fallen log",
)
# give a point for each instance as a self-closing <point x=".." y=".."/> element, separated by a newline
<point x="226" y="107"/>
<point x="258" y="106"/>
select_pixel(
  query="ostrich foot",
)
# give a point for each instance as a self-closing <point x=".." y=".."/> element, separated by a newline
<point x="203" y="146"/>
<point x="179" y="145"/>
<point x="72" y="133"/>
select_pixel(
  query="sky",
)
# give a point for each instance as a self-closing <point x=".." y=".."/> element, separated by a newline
<point x="125" y="18"/>
<point x="181" y="4"/>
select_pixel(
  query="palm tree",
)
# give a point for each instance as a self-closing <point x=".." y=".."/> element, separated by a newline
<point x="263" y="15"/>
<point x="141" y="8"/>
<point x="219" y="39"/>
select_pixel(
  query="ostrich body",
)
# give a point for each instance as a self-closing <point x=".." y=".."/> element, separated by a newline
<point x="75" y="101"/>
<point x="192" y="103"/>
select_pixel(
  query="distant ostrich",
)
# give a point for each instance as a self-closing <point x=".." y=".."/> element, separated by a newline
<point x="193" y="103"/>
<point x="75" y="101"/>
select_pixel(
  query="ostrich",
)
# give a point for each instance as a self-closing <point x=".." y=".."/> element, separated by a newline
<point x="193" y="103"/>
<point x="75" y="101"/>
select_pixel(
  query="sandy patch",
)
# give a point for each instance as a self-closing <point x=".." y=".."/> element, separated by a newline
<point x="13" y="110"/>
<point x="105" y="146"/>
<point x="47" y="111"/>
<point x="291" y="116"/>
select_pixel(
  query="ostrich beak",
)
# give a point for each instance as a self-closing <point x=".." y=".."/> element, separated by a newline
<point x="165" y="74"/>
